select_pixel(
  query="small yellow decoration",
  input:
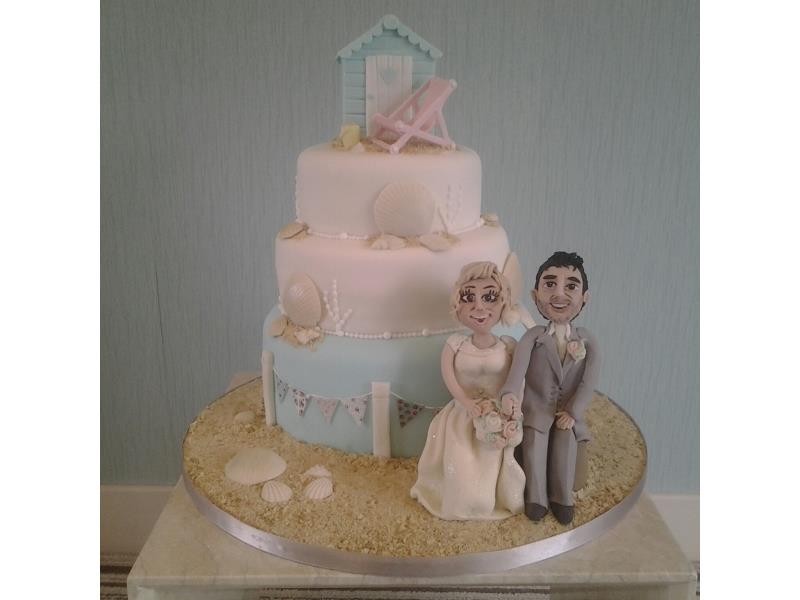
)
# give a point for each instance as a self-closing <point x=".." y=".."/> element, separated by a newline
<point x="349" y="135"/>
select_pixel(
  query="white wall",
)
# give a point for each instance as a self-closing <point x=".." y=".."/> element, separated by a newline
<point x="585" y="114"/>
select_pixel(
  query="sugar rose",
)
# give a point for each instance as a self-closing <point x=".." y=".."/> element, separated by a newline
<point x="512" y="432"/>
<point x="494" y="423"/>
<point x="510" y="429"/>
<point x="577" y="349"/>
<point x="486" y="406"/>
<point x="507" y="405"/>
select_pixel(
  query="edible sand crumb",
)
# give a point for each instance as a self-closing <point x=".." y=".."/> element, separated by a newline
<point x="371" y="510"/>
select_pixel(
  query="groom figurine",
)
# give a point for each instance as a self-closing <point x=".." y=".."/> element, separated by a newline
<point x="560" y="365"/>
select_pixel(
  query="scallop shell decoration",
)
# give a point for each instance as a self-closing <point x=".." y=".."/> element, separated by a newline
<point x="291" y="230"/>
<point x="405" y="209"/>
<point x="388" y="242"/>
<point x="317" y="471"/>
<point x="254" y="465"/>
<point x="276" y="492"/>
<point x="278" y="326"/>
<point x="244" y="417"/>
<point x="301" y="301"/>
<point x="319" y="489"/>
<point x="491" y="219"/>
<point x="435" y="242"/>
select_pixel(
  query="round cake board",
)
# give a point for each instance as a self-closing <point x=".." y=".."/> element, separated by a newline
<point x="235" y="508"/>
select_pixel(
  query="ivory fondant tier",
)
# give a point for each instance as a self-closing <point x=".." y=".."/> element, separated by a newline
<point x="392" y="293"/>
<point x="336" y="190"/>
<point x="343" y="368"/>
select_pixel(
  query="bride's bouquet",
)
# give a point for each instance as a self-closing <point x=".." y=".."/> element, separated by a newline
<point x="497" y="425"/>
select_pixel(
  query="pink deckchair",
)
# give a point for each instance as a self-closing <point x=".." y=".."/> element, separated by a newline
<point x="422" y="117"/>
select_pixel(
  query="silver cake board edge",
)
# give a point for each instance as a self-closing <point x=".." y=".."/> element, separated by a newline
<point x="389" y="566"/>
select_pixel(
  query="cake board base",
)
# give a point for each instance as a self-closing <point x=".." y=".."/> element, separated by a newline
<point x="237" y="510"/>
<point x="389" y="566"/>
<point x="188" y="557"/>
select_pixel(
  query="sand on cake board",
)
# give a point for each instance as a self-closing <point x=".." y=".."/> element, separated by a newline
<point x="371" y="510"/>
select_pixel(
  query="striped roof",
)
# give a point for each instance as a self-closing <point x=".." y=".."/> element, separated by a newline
<point x="386" y="23"/>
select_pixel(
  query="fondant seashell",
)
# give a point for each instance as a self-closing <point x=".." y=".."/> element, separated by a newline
<point x="317" y="471"/>
<point x="307" y="335"/>
<point x="404" y="209"/>
<point x="291" y="230"/>
<point x="513" y="273"/>
<point x="244" y="417"/>
<point x="491" y="219"/>
<point x="301" y="301"/>
<point x="276" y="492"/>
<point x="319" y="489"/>
<point x="254" y="465"/>
<point x="388" y="242"/>
<point x="278" y="326"/>
<point x="435" y="242"/>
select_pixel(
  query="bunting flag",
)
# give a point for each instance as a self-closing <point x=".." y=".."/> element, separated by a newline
<point x="282" y="388"/>
<point x="407" y="411"/>
<point x="327" y="407"/>
<point x="300" y="401"/>
<point x="357" y="407"/>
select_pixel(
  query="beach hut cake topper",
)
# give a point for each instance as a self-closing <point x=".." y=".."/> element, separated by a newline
<point x="382" y="68"/>
<point x="390" y="92"/>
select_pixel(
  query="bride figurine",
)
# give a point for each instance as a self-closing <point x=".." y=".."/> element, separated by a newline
<point x="467" y="470"/>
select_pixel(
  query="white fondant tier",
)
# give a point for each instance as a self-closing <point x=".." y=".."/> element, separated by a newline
<point x="336" y="189"/>
<point x="385" y="293"/>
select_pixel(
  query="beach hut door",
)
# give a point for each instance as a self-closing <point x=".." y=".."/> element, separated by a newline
<point x="388" y="84"/>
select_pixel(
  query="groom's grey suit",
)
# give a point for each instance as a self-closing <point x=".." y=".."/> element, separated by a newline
<point x="551" y="386"/>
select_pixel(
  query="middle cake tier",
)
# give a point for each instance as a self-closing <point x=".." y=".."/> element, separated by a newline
<point x="385" y="293"/>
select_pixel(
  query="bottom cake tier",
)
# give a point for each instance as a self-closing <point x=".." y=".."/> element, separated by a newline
<point x="337" y="377"/>
<point x="370" y="524"/>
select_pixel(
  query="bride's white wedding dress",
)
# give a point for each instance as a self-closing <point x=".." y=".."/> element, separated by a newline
<point x="458" y="477"/>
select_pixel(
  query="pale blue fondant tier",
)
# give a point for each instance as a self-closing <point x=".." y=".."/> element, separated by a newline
<point x="343" y="367"/>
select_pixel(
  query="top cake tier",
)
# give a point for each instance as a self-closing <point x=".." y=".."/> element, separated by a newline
<point x="336" y="190"/>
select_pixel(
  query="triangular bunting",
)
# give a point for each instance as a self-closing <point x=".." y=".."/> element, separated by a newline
<point x="357" y="407"/>
<point x="300" y="401"/>
<point x="327" y="407"/>
<point x="281" y="387"/>
<point x="407" y="411"/>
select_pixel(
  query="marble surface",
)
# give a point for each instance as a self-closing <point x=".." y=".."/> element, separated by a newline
<point x="187" y="553"/>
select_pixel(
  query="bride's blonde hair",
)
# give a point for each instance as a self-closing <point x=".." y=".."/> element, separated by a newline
<point x="485" y="270"/>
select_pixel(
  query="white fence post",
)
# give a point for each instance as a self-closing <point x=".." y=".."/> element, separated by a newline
<point x="381" y="432"/>
<point x="268" y="386"/>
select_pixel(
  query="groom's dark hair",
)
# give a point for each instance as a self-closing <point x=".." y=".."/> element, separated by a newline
<point x="564" y="259"/>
